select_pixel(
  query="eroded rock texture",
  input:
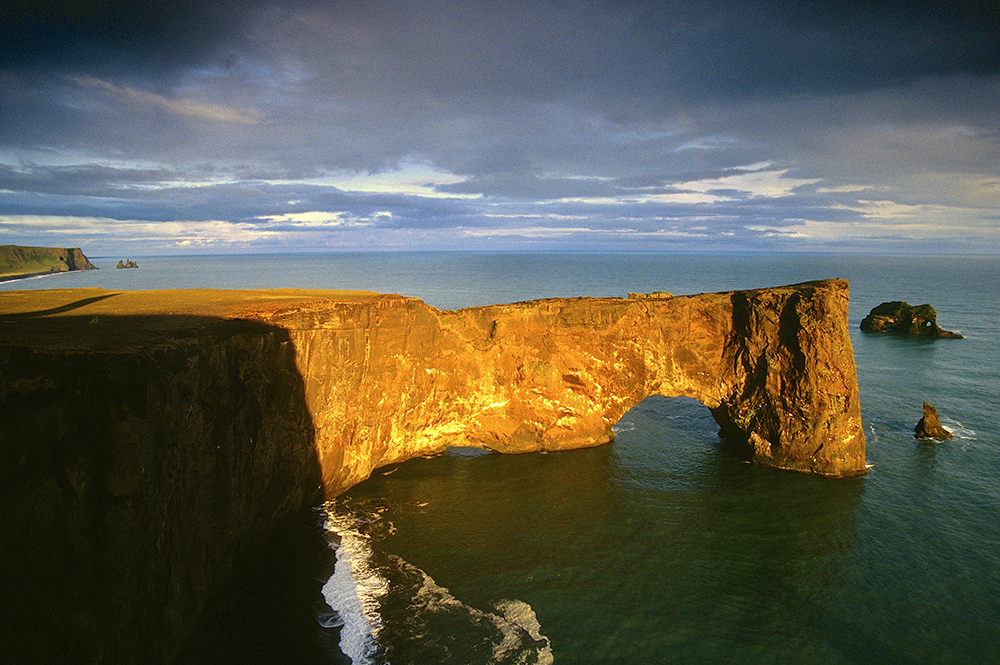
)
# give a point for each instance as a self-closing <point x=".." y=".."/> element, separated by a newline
<point x="393" y="379"/>
<point x="902" y="318"/>
<point x="150" y="441"/>
<point x="929" y="426"/>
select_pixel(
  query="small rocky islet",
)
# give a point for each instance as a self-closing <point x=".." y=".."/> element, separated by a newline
<point x="929" y="426"/>
<point x="902" y="318"/>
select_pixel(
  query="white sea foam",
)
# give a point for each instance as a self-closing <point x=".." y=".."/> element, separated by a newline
<point x="517" y="614"/>
<point x="958" y="430"/>
<point x="353" y="591"/>
<point x="518" y="638"/>
<point x="623" y="426"/>
<point x="357" y="588"/>
<point x="431" y="596"/>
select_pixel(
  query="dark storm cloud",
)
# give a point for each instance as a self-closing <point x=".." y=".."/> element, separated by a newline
<point x="687" y="117"/>
<point x="148" y="37"/>
<point x="527" y="48"/>
<point x="669" y="53"/>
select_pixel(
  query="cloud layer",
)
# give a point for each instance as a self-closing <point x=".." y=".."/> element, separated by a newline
<point x="270" y="125"/>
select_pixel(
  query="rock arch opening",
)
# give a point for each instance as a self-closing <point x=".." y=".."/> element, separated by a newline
<point x="664" y="417"/>
<point x="392" y="379"/>
<point x="666" y="436"/>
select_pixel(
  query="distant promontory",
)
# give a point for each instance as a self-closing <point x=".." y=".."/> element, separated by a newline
<point x="17" y="262"/>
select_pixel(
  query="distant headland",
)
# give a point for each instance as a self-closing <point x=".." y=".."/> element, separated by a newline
<point x="17" y="262"/>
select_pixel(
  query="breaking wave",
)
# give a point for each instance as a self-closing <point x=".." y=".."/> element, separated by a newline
<point x="353" y="590"/>
<point x="395" y="613"/>
<point x="958" y="430"/>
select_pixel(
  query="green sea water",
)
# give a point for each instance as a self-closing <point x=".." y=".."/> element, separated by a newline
<point x="662" y="547"/>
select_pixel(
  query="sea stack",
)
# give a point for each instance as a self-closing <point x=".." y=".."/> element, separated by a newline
<point x="929" y="427"/>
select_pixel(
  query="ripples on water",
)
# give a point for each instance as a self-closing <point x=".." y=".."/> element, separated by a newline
<point x="661" y="547"/>
<point x="656" y="545"/>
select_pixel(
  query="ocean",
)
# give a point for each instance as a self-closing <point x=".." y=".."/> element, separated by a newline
<point x="663" y="547"/>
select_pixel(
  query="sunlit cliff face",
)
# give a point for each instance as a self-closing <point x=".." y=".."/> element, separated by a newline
<point x="393" y="379"/>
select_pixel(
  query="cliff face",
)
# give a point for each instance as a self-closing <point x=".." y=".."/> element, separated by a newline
<point x="17" y="261"/>
<point x="135" y="483"/>
<point x="393" y="379"/>
<point x="150" y="440"/>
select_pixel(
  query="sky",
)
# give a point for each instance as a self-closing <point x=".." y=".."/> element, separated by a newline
<point x="147" y="127"/>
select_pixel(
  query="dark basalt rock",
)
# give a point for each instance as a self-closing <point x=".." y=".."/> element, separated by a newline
<point x="929" y="427"/>
<point x="902" y="318"/>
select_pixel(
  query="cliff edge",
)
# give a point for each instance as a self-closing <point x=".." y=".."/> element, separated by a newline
<point x="17" y="262"/>
<point x="152" y="441"/>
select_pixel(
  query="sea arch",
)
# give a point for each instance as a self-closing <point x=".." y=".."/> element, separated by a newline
<point x="393" y="379"/>
<point x="667" y="437"/>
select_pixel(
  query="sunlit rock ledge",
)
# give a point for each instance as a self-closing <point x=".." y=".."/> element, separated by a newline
<point x="151" y="439"/>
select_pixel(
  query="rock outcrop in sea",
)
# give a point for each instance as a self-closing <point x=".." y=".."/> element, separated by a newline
<point x="929" y="426"/>
<point x="902" y="318"/>
<point x="153" y="443"/>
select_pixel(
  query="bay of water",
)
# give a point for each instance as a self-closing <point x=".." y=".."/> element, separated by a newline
<point x="661" y="547"/>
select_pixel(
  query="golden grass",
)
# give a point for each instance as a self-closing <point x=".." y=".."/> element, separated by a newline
<point x="94" y="317"/>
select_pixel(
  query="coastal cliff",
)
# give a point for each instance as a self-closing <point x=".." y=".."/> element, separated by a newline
<point x="152" y="441"/>
<point x="137" y="482"/>
<point x="394" y="379"/>
<point x="17" y="262"/>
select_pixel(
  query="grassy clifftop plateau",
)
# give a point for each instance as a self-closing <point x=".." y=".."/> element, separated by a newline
<point x="16" y="261"/>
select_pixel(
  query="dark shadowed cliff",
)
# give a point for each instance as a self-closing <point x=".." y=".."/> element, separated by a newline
<point x="153" y="441"/>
